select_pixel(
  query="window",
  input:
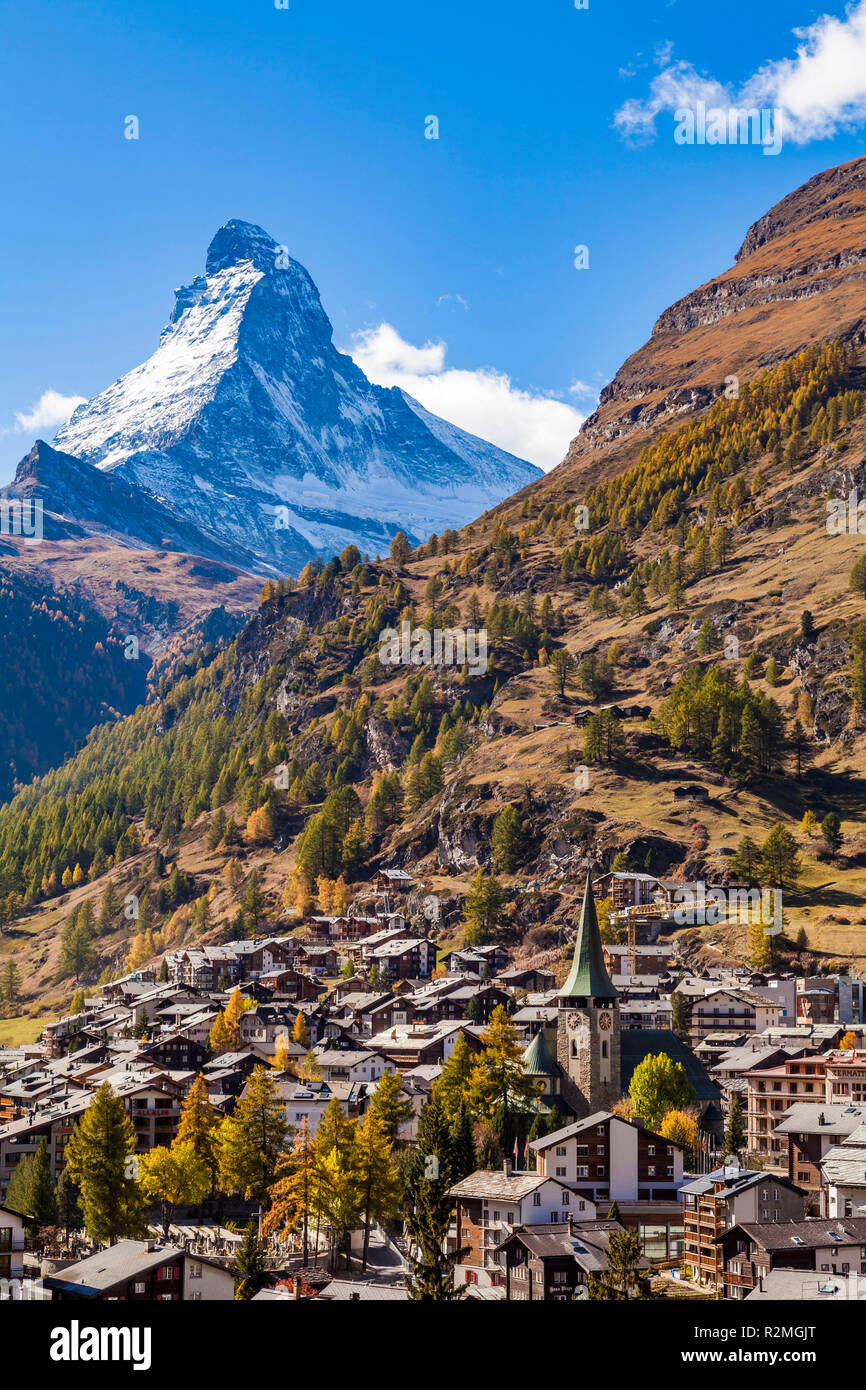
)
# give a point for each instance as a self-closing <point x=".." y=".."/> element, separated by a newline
<point x="651" y="1150"/>
<point x="560" y="1172"/>
<point x="536" y="1199"/>
<point x="195" y="1296"/>
<point x="560" y="1276"/>
<point x="565" y="1199"/>
<point x="651" y="1171"/>
<point x="165" y="1272"/>
<point x="599" y="1172"/>
<point x="554" y="1217"/>
<point x="600" y="1129"/>
<point x="139" y="1286"/>
<point x="560" y="1151"/>
<point x="582" y="1171"/>
<point x="194" y="1270"/>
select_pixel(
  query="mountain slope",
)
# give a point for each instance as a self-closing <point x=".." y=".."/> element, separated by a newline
<point x="799" y="276"/>
<point x="706" y="601"/>
<point x="248" y="418"/>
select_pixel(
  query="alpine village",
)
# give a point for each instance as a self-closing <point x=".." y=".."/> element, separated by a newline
<point x="339" y="964"/>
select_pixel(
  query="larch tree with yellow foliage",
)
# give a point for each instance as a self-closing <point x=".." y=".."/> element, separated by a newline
<point x="300" y="1032"/>
<point x="281" y="1054"/>
<point x="681" y="1127"/>
<point x="198" y="1125"/>
<point x="497" y="1082"/>
<point x="294" y="1195"/>
<point x="225" y="1035"/>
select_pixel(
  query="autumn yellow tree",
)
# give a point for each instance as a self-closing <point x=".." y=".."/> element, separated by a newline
<point x="281" y="1054"/>
<point x="260" y="826"/>
<point x="809" y="824"/>
<point x="849" y="1042"/>
<point x="225" y="1035"/>
<point x="233" y="875"/>
<point x="295" y="1192"/>
<point x="173" y="1177"/>
<point x="198" y="1126"/>
<point x="340" y="897"/>
<point x="497" y="1081"/>
<point x="681" y="1127"/>
<point x="325" y="893"/>
<point x="300" y="1032"/>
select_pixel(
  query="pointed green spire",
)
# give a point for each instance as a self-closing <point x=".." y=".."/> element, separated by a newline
<point x="588" y="977"/>
<point x="538" y="1059"/>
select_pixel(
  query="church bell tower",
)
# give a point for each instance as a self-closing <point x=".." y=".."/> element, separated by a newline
<point x="588" y="1027"/>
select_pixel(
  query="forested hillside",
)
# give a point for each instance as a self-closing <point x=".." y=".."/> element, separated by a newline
<point x="691" y="619"/>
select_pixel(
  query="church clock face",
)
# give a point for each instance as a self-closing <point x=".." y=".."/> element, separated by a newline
<point x="574" y="1021"/>
<point x="605" y="1021"/>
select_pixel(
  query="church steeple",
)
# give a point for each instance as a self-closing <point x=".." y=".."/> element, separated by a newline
<point x="588" y="978"/>
<point x="588" y="1026"/>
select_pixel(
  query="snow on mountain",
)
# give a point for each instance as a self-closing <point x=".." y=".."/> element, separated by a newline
<point x="248" y="420"/>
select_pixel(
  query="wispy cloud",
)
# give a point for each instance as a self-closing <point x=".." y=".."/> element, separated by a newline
<point x="819" y="91"/>
<point x="533" y="426"/>
<point x="50" y="411"/>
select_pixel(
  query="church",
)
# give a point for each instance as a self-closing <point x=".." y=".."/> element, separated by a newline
<point x="588" y="1039"/>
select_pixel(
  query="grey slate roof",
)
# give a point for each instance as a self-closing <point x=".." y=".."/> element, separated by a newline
<point x="805" y="1117"/>
<point x="128" y="1259"/>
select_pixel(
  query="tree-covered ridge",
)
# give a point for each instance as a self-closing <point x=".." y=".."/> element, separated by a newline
<point x="313" y="741"/>
<point x="64" y="671"/>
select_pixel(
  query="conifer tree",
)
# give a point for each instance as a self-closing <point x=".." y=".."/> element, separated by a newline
<point x="250" y="1268"/>
<point x="252" y="1140"/>
<point x="198" y="1125"/>
<point x="101" y="1159"/>
<point x="430" y="1278"/>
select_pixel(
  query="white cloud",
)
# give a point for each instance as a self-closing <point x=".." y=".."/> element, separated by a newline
<point x="819" y="91"/>
<point x="50" y="411"/>
<point x="485" y="402"/>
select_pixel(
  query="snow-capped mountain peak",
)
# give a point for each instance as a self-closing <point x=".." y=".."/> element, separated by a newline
<point x="247" y="418"/>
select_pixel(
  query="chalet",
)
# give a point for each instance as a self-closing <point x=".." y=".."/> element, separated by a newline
<point x="415" y="1045"/>
<point x="131" y="1270"/>
<point x="404" y="958"/>
<point x="318" y="960"/>
<point x="490" y="1207"/>
<point x="734" y="1011"/>
<point x="393" y="881"/>
<point x="751" y="1250"/>
<point x="174" y="1052"/>
<point x="308" y="1100"/>
<point x="726" y="1197"/>
<point x="812" y="1132"/>
<point x="479" y="960"/>
<point x="550" y="1261"/>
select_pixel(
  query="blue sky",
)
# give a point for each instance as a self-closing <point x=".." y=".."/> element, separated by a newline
<point x="555" y="130"/>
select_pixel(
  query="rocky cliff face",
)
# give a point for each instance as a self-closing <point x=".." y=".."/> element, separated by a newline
<point x="249" y="420"/>
<point x="799" y="276"/>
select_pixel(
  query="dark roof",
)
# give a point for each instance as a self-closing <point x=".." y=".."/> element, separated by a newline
<point x="587" y="1242"/>
<point x="129" y="1259"/>
<point x="638" y="1043"/>
<point x="815" y="1233"/>
<point x="588" y="977"/>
